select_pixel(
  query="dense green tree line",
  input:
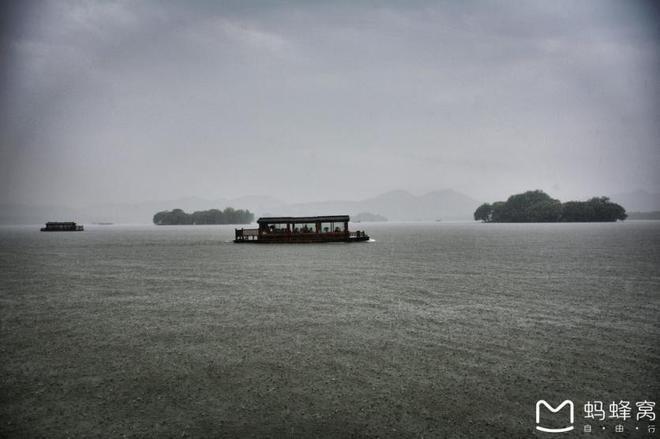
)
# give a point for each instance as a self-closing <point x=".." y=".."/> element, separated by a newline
<point x="537" y="206"/>
<point x="213" y="216"/>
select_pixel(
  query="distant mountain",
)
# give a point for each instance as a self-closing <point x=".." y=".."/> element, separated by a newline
<point x="403" y="206"/>
<point x="23" y="214"/>
<point x="652" y="215"/>
<point x="123" y="213"/>
<point x="395" y="206"/>
<point x="256" y="204"/>
<point x="144" y="212"/>
<point x="638" y="201"/>
<point x="368" y="217"/>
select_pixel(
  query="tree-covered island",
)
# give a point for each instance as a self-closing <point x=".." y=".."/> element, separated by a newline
<point x="537" y="206"/>
<point x="213" y="216"/>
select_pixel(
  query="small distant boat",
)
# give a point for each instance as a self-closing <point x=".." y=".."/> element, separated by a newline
<point x="300" y="230"/>
<point x="62" y="227"/>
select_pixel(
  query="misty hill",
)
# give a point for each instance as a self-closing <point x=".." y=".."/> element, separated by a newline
<point x="653" y="215"/>
<point x="212" y="216"/>
<point x="639" y="201"/>
<point x="24" y="214"/>
<point x="395" y="206"/>
<point x="445" y="204"/>
<point x="368" y="217"/>
<point x="124" y="213"/>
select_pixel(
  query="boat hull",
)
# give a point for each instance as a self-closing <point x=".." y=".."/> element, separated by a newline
<point x="43" y="229"/>
<point x="301" y="240"/>
<point x="62" y="227"/>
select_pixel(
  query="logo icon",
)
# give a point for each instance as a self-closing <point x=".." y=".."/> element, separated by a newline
<point x="542" y="402"/>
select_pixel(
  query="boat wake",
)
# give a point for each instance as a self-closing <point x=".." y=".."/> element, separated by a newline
<point x="371" y="240"/>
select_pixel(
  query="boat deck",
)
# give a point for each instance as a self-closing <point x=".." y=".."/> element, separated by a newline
<point x="300" y="230"/>
<point x="251" y="236"/>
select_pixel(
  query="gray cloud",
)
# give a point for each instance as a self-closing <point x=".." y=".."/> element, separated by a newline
<point x="130" y="101"/>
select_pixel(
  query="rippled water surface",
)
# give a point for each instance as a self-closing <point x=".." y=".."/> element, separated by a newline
<point x="443" y="329"/>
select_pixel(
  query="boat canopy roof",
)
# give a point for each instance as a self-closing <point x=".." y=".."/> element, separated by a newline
<point x="303" y="219"/>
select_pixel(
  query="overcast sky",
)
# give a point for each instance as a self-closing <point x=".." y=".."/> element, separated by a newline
<point x="153" y="100"/>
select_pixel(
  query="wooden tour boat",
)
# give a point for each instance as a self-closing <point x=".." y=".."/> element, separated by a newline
<point x="62" y="227"/>
<point x="299" y="230"/>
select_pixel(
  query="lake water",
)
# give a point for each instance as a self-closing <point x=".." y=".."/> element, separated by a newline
<point x="439" y="329"/>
